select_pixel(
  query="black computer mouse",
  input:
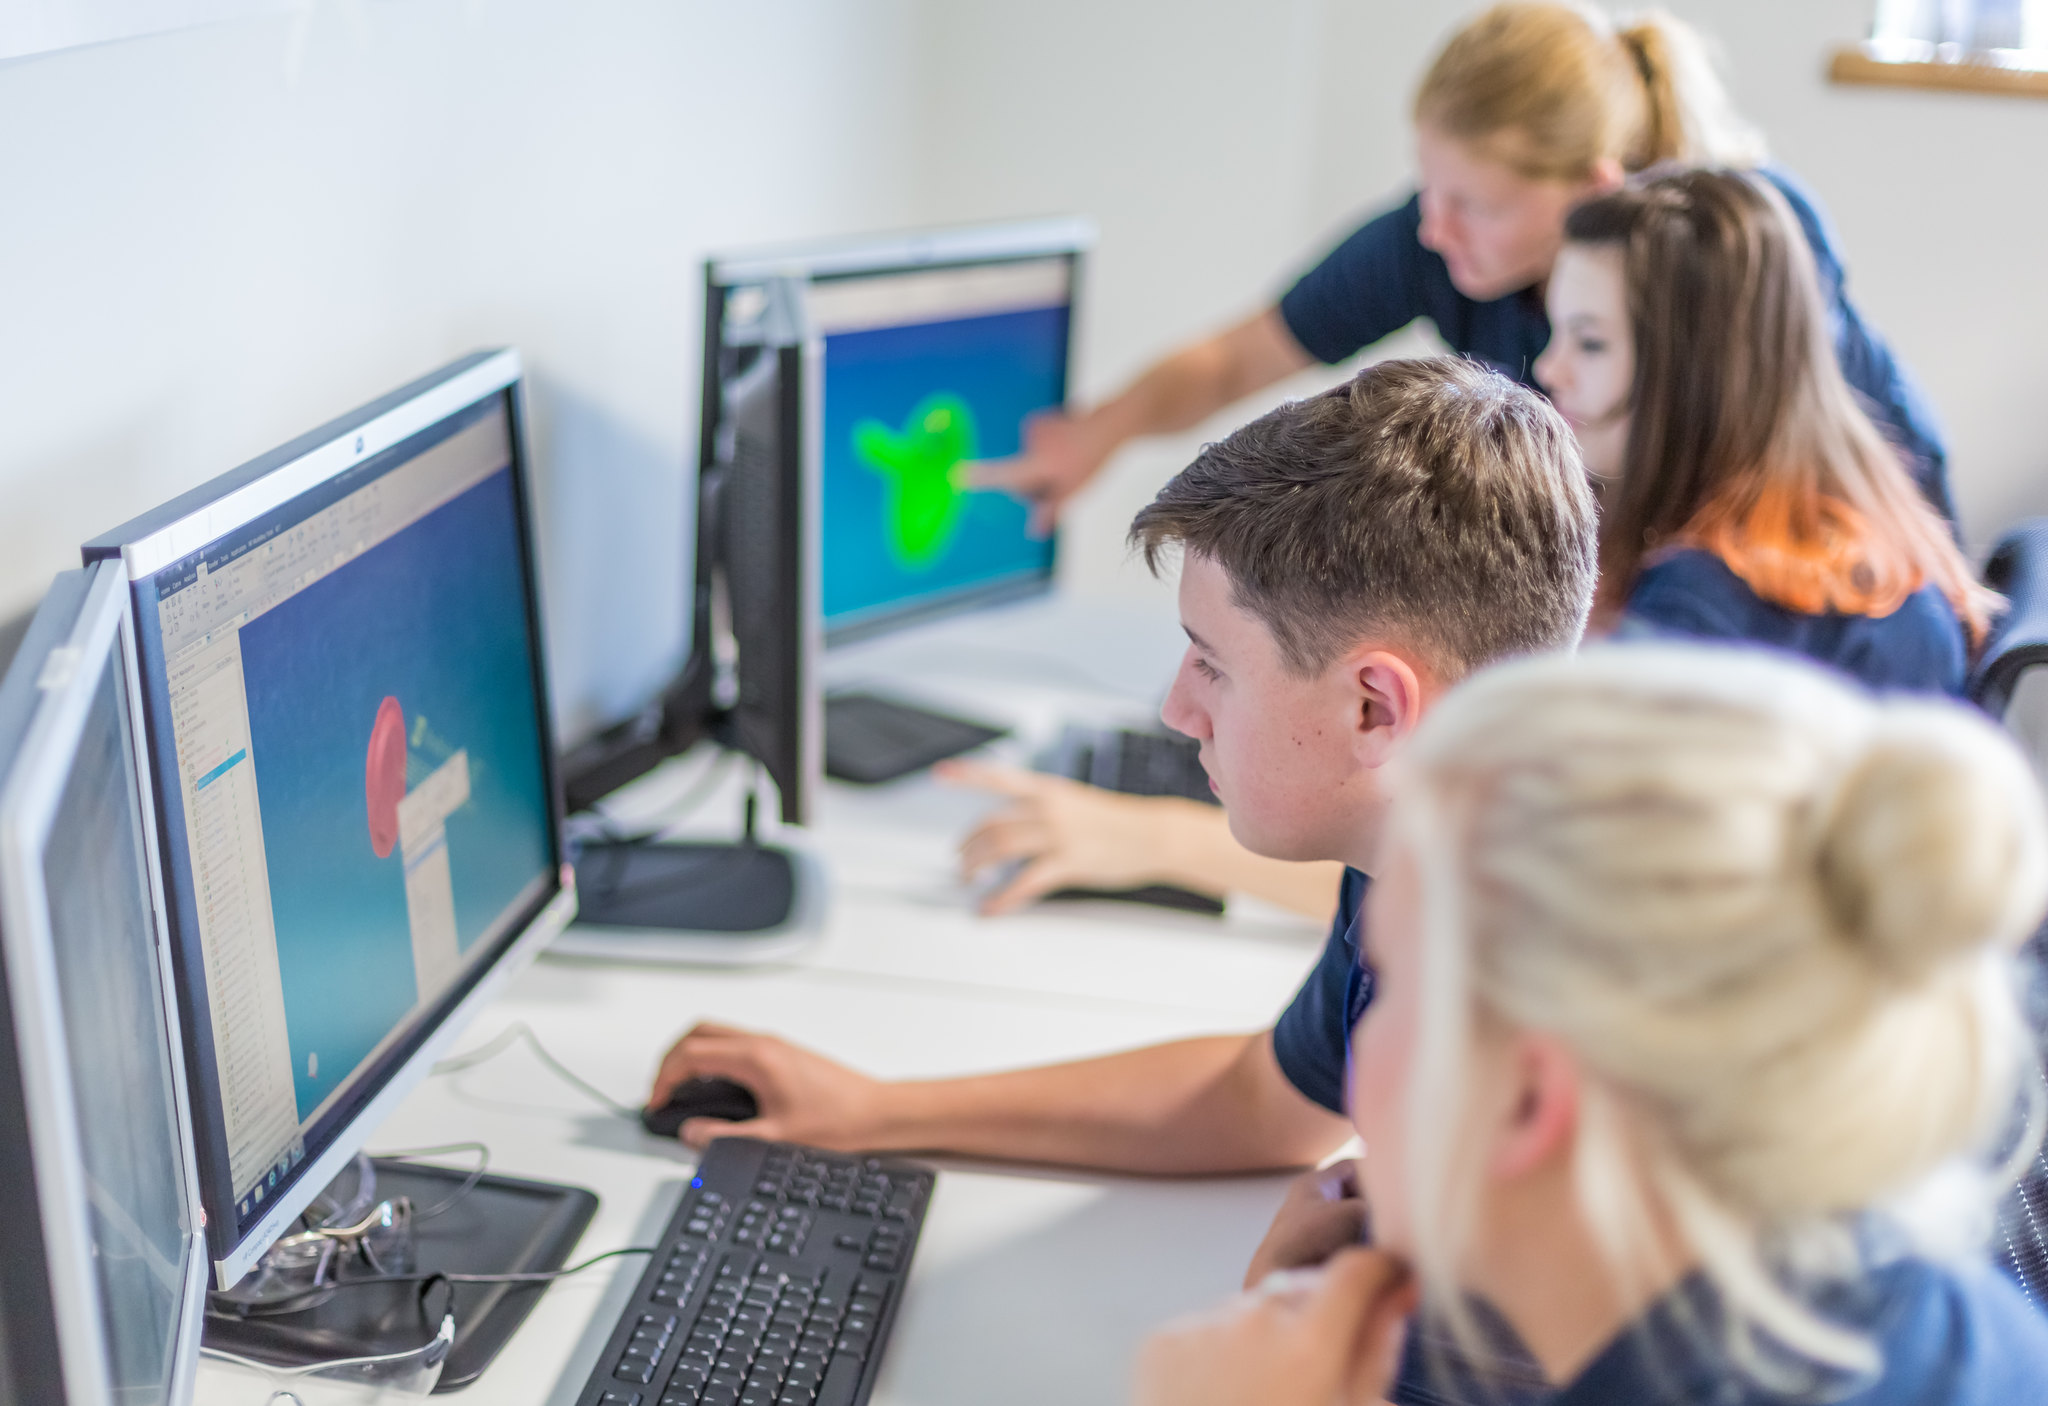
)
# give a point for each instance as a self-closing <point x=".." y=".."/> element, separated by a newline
<point x="700" y="1098"/>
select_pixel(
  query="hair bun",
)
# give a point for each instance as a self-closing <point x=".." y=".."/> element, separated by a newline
<point x="1934" y="846"/>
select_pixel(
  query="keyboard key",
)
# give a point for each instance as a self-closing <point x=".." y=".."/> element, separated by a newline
<point x="720" y="1396"/>
<point x="842" y="1380"/>
<point x="619" y="1398"/>
<point x="640" y="1371"/>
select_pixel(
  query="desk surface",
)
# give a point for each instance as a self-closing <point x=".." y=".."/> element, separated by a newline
<point x="1029" y="1284"/>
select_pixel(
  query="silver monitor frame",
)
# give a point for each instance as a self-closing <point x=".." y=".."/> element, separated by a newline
<point x="185" y="526"/>
<point x="102" y="638"/>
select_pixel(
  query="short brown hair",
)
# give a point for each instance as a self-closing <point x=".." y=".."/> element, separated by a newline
<point x="1430" y="502"/>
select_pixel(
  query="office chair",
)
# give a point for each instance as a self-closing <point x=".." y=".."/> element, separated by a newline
<point x="2008" y="684"/>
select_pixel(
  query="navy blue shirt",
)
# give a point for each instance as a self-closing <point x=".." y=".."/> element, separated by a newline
<point x="1381" y="279"/>
<point x="1313" y="1033"/>
<point x="1954" y="1336"/>
<point x="1919" y="647"/>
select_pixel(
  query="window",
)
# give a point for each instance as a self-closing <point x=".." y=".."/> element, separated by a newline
<point x="1977" y="45"/>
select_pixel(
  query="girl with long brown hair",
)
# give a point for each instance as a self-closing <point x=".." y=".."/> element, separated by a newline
<point x="1749" y="496"/>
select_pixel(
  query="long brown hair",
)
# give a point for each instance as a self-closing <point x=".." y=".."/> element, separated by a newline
<point x="1552" y="90"/>
<point x="1744" y="438"/>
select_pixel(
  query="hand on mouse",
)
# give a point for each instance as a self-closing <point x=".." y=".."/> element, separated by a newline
<point x="1324" y="1212"/>
<point x="1314" y="1337"/>
<point x="803" y="1097"/>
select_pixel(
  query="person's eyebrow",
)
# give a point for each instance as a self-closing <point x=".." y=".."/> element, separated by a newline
<point x="1197" y="641"/>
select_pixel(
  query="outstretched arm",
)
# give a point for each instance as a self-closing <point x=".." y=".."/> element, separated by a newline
<point x="1063" y="451"/>
<point x="1209" y="1105"/>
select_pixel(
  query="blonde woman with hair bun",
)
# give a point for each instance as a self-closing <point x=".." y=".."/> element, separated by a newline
<point x="1693" y="1043"/>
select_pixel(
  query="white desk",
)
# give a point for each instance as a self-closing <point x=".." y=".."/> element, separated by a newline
<point x="1029" y="1285"/>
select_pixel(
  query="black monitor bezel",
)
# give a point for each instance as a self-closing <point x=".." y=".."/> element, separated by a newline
<point x="897" y="255"/>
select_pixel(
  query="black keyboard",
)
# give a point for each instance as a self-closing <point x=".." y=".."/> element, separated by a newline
<point x="774" y="1284"/>
<point x="1137" y="763"/>
<point x="870" y="740"/>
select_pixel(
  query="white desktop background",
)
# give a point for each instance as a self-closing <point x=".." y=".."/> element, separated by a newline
<point x="212" y="240"/>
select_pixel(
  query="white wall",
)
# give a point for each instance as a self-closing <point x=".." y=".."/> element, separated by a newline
<point x="215" y="239"/>
<point x="1224" y="143"/>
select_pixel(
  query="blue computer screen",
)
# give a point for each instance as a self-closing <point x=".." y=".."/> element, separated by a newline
<point x="316" y="670"/>
<point x="352" y="757"/>
<point x="919" y="383"/>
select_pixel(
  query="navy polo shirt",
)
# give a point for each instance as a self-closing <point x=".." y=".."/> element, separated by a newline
<point x="1958" y="1335"/>
<point x="1918" y="647"/>
<point x="1313" y="1033"/>
<point x="1381" y="279"/>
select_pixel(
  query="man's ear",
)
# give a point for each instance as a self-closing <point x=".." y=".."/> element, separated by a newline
<point x="1538" y="1111"/>
<point x="1389" y="703"/>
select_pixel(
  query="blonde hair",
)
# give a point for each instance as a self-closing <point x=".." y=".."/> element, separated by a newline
<point x="1553" y="90"/>
<point x="1771" y="917"/>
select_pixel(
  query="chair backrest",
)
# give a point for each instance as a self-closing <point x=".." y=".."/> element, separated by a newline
<point x="2009" y="684"/>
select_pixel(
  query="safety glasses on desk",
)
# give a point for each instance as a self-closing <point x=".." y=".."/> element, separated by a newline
<point x="228" y="1380"/>
<point x="345" y="1224"/>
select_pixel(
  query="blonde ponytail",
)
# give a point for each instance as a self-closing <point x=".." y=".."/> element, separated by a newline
<point x="1771" y="917"/>
<point x="1556" y="89"/>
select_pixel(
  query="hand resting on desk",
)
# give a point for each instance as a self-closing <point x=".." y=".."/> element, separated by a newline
<point x="1070" y="835"/>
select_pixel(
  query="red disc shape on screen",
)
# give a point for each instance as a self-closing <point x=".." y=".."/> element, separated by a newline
<point x="384" y="776"/>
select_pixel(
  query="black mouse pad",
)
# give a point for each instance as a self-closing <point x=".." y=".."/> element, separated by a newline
<point x="502" y="1225"/>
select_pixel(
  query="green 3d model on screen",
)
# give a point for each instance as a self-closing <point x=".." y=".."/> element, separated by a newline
<point x="922" y="464"/>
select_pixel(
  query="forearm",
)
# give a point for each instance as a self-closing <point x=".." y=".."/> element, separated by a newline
<point x="1201" y="854"/>
<point x="1210" y="1105"/>
<point x="1195" y="382"/>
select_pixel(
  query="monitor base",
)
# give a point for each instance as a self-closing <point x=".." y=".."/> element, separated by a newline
<point x="700" y="902"/>
<point x="502" y="1225"/>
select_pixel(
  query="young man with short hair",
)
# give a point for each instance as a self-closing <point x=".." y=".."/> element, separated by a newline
<point x="1346" y="558"/>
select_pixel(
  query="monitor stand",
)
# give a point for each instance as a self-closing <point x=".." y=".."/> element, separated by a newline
<point x="502" y="1225"/>
<point x="699" y="902"/>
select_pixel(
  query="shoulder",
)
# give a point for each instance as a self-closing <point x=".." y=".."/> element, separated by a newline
<point x="1695" y="592"/>
<point x="1959" y="1334"/>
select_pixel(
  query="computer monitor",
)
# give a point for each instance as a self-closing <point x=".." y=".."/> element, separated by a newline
<point x="933" y="349"/>
<point x="351" y="760"/>
<point x="102" y="1261"/>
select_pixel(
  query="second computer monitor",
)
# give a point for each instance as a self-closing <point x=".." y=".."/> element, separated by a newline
<point x="935" y="349"/>
<point x="352" y="759"/>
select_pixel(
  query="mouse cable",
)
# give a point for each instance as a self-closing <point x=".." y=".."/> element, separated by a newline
<point x="519" y="1030"/>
